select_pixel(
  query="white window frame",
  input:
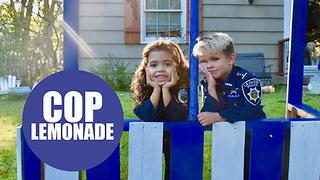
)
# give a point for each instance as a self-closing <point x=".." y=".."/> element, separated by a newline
<point x="182" y="39"/>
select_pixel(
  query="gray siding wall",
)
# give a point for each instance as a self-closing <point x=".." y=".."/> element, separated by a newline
<point x="254" y="28"/>
<point x="101" y="26"/>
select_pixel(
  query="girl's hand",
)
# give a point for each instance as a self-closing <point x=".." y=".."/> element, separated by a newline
<point x="211" y="81"/>
<point x="150" y="82"/>
<point x="174" y="80"/>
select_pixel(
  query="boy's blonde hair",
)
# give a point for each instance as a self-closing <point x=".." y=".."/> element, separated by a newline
<point x="212" y="43"/>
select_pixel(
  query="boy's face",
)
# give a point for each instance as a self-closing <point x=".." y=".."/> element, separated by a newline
<point x="161" y="65"/>
<point x="218" y="64"/>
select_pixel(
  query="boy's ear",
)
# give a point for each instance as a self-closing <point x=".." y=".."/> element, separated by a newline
<point x="232" y="58"/>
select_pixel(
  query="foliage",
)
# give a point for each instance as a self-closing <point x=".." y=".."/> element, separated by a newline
<point x="31" y="39"/>
<point x="313" y="21"/>
<point x="114" y="72"/>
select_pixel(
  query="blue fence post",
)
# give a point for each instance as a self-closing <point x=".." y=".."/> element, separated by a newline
<point x="297" y="46"/>
<point x="267" y="149"/>
<point x="70" y="47"/>
<point x="31" y="163"/>
<point x="187" y="151"/>
<point x="194" y="33"/>
<point x="109" y="169"/>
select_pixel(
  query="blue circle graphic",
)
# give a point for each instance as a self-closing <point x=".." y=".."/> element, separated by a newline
<point x="73" y="120"/>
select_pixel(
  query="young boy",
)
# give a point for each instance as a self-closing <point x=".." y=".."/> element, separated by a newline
<point x="231" y="93"/>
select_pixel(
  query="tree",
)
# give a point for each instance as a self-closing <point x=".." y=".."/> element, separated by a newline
<point x="32" y="39"/>
<point x="313" y="22"/>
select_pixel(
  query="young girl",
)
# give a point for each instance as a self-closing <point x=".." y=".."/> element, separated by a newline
<point x="160" y="87"/>
<point x="161" y="82"/>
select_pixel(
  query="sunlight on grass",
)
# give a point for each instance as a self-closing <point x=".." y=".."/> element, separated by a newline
<point x="7" y="149"/>
<point x="10" y="118"/>
<point x="7" y="133"/>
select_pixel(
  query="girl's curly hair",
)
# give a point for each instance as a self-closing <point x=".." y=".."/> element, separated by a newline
<point x="141" y="91"/>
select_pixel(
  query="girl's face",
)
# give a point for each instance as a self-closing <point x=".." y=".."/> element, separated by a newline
<point x="161" y="65"/>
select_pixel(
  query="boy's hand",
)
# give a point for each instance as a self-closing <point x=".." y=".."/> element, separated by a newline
<point x="150" y="82"/>
<point x="208" y="118"/>
<point x="174" y="80"/>
<point x="211" y="81"/>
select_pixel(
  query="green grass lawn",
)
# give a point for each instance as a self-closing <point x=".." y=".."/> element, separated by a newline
<point x="11" y="117"/>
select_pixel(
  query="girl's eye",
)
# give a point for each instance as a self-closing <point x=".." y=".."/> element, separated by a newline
<point x="153" y="65"/>
<point x="202" y="62"/>
<point x="168" y="64"/>
<point x="215" y="59"/>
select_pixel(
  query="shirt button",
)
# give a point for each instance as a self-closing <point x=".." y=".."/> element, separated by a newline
<point x="235" y="104"/>
<point x="223" y="93"/>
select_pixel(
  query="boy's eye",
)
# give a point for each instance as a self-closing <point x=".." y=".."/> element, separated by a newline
<point x="168" y="64"/>
<point x="215" y="59"/>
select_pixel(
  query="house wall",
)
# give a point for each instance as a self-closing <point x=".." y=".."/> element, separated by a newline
<point x="101" y="26"/>
<point x="254" y="28"/>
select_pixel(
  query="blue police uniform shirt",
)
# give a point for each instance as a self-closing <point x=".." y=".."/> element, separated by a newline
<point x="176" y="110"/>
<point x="239" y="96"/>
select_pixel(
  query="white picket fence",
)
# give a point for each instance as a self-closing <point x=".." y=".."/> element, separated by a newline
<point x="7" y="82"/>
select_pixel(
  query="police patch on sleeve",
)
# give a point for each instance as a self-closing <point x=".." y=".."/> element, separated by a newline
<point x="183" y="96"/>
<point x="251" y="90"/>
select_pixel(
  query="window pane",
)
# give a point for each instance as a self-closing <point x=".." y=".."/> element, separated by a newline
<point x="151" y="4"/>
<point x="163" y="4"/>
<point x="164" y="31"/>
<point x="151" y="31"/>
<point x="151" y="18"/>
<point x="175" y="31"/>
<point x="163" y="18"/>
<point x="175" y="18"/>
<point x="175" y="4"/>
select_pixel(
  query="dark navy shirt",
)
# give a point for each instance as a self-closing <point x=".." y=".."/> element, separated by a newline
<point x="176" y="110"/>
<point x="239" y="96"/>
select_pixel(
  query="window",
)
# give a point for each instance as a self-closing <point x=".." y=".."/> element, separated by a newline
<point x="148" y="20"/>
<point x="163" y="18"/>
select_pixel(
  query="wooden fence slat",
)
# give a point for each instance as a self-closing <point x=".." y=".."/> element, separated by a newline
<point x="304" y="157"/>
<point x="31" y="163"/>
<point x="109" y="169"/>
<point x="19" y="153"/>
<point x="9" y="80"/>
<point x="228" y="142"/>
<point x="52" y="173"/>
<point x="267" y="145"/>
<point x="135" y="150"/>
<point x="145" y="150"/>
<point x="3" y="83"/>
<point x="187" y="151"/>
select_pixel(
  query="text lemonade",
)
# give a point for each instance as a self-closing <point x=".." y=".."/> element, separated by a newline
<point x="73" y="113"/>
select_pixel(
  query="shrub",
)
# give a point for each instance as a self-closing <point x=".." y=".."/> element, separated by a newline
<point x="113" y="71"/>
